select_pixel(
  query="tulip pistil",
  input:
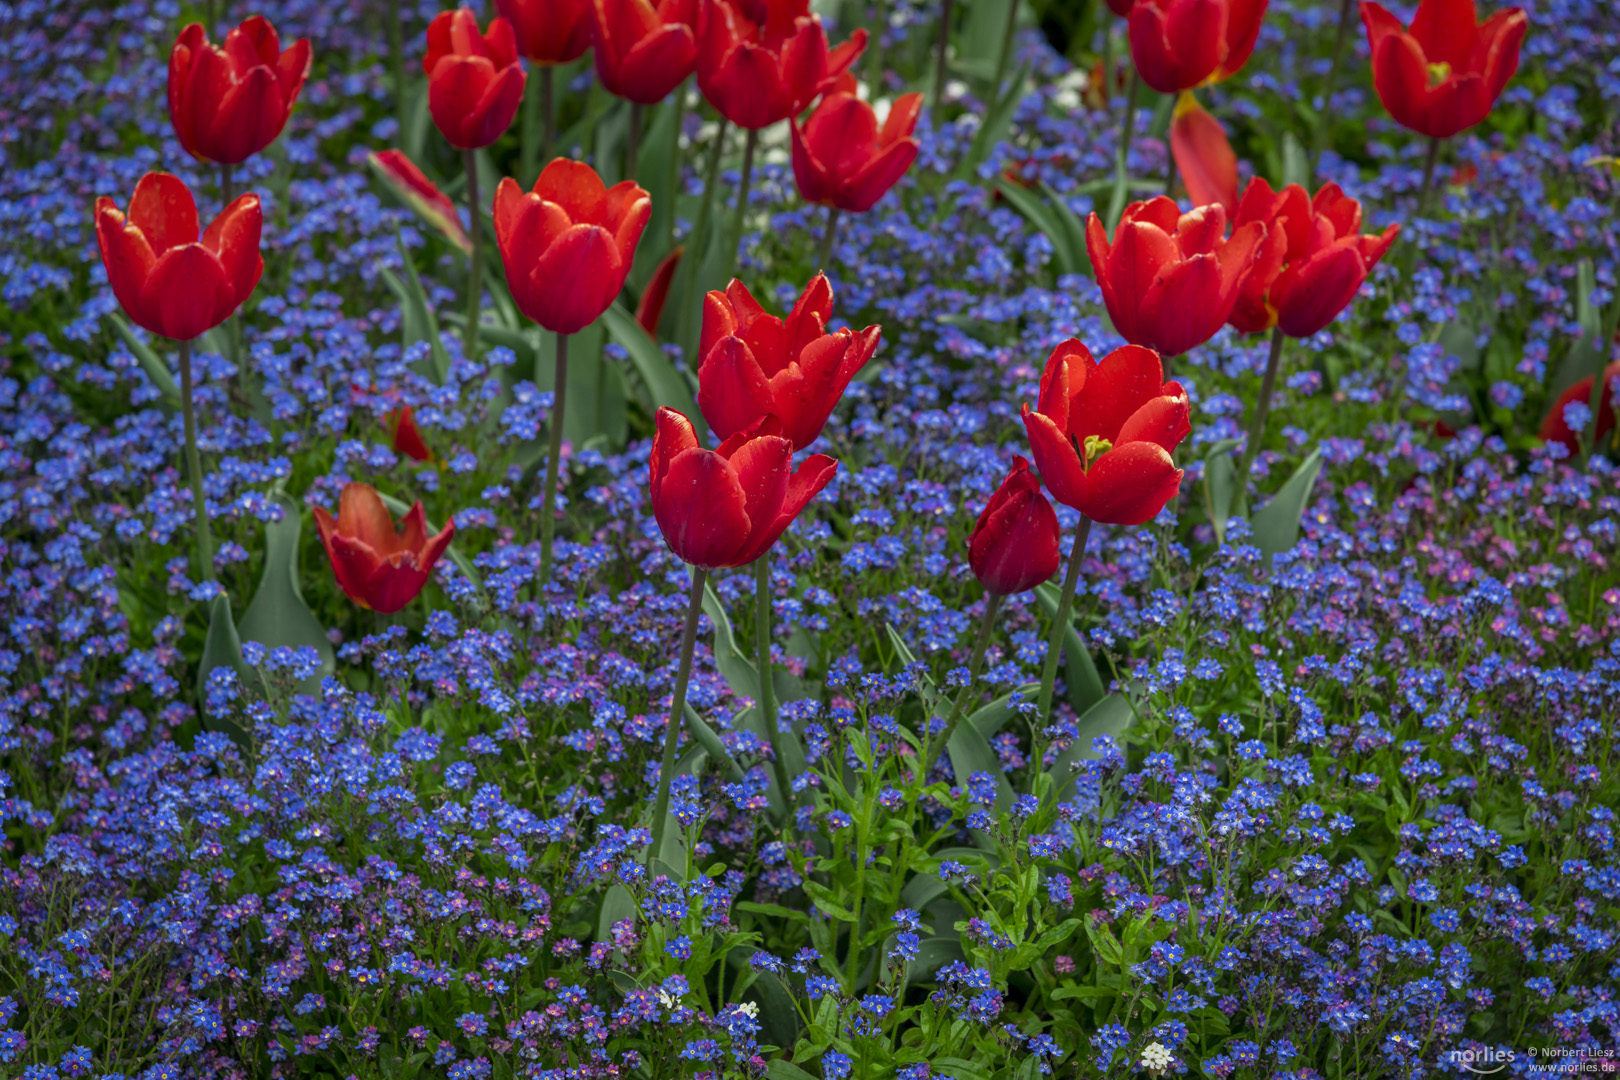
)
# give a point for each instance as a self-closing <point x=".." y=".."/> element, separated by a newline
<point x="1439" y="73"/>
<point x="1095" y="447"/>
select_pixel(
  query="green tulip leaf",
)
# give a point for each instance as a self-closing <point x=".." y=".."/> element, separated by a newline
<point x="223" y="648"/>
<point x="416" y="318"/>
<point x="150" y="362"/>
<point x="1276" y="525"/>
<point x="664" y="385"/>
<point x="279" y="617"/>
<point x="1220" y="485"/>
<point x="1085" y="685"/>
<point x="1110" y="716"/>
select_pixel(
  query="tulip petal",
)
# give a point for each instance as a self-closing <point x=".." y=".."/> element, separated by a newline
<point x="1014" y="544"/>
<point x="455" y="87"/>
<point x="496" y="107"/>
<point x="248" y="119"/>
<point x="656" y="65"/>
<point x="763" y="466"/>
<point x="1124" y="382"/>
<point x="128" y="258"/>
<point x="163" y="209"/>
<point x="732" y="390"/>
<point x="1203" y="156"/>
<point x="1057" y="460"/>
<point x="650" y="305"/>
<point x="902" y="119"/>
<point x="873" y="180"/>
<point x="1163" y="421"/>
<point x="1177" y="45"/>
<point x="1141" y="254"/>
<point x="1183" y="308"/>
<point x="699" y="507"/>
<point x="804" y="485"/>
<point x="1500" y="37"/>
<point x="1243" y="19"/>
<point x="186" y="292"/>
<point x="749" y="89"/>
<point x="1130" y="484"/>
<point x="1064" y="376"/>
<point x="1446" y="31"/>
<point x="362" y="515"/>
<point x="576" y="187"/>
<point x="1311" y="295"/>
<point x="810" y="173"/>
<point x="575" y="280"/>
<point x="292" y="69"/>
<point x="628" y="209"/>
<point x="672" y="434"/>
<point x="210" y="83"/>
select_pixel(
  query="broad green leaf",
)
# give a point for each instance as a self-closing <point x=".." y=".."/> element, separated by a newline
<point x="223" y="648"/>
<point x="738" y="671"/>
<point x="1063" y="993"/>
<point x="1040" y="215"/>
<point x="1110" y="716"/>
<point x="596" y="399"/>
<point x="990" y="719"/>
<point x="932" y="954"/>
<point x="1069" y="223"/>
<point x="278" y="617"/>
<point x="150" y="362"/>
<point x="827" y="900"/>
<point x="709" y="739"/>
<point x="1296" y="165"/>
<point x="994" y="128"/>
<point x="970" y="753"/>
<point x="665" y="385"/>
<point x="1104" y="943"/>
<point x="1085" y="685"/>
<point x="778" y="1016"/>
<point x="1220" y="484"/>
<point x="1276" y="526"/>
<point x="617" y="904"/>
<point x="417" y="320"/>
<point x="655" y="171"/>
<point x="786" y="1070"/>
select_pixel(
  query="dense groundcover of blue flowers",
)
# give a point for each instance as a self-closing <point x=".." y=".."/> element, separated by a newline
<point x="1346" y="813"/>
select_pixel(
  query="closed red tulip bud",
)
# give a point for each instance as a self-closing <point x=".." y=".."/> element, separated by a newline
<point x="1180" y="44"/>
<point x="408" y="437"/>
<point x="644" y="51"/>
<point x="1204" y="157"/>
<point x="1442" y="74"/>
<point x="549" y="32"/>
<point x="727" y="507"/>
<point x="1014" y="546"/>
<point x="168" y="281"/>
<point x="1312" y="261"/>
<point x="1554" y="428"/>
<point x="763" y="61"/>
<point x="756" y="365"/>
<point x="228" y="103"/>
<point x="378" y="566"/>
<point x="842" y="158"/>
<point x="422" y="195"/>
<point x="1103" y="434"/>
<point x="1171" y="279"/>
<point x="568" y="244"/>
<point x="475" y="82"/>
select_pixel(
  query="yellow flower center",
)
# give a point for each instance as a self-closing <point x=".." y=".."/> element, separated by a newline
<point x="1096" y="447"/>
<point x="1439" y="73"/>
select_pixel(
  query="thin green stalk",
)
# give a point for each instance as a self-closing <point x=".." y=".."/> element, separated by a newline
<point x="1425" y="194"/>
<point x="475" y="265"/>
<point x="632" y="147"/>
<point x="199" y="502"/>
<point x="396" y="63"/>
<point x="677" y="711"/>
<point x="741" y="211"/>
<point x="1006" y="45"/>
<point x="1060" y="622"/>
<point x="1169" y="171"/>
<point x="1127" y="128"/>
<point x="829" y="238"/>
<point x="767" y="686"/>
<point x="1332" y="79"/>
<point x="687" y="273"/>
<point x="679" y="105"/>
<point x="1262" y="409"/>
<point x="548" y="494"/>
<point x="874" y="48"/>
<point x="939" y="60"/>
<point x="981" y="645"/>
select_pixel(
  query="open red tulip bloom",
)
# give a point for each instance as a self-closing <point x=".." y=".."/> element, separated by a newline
<point x="761" y="61"/>
<point x="1444" y="73"/>
<point x="549" y="32"/>
<point x="420" y="194"/>
<point x="1312" y="261"/>
<point x="1554" y="428"/>
<point x="727" y="507"/>
<point x="378" y="566"/>
<point x="166" y="280"/>
<point x="1170" y="279"/>
<point x="1103" y="434"/>
<point x="1014" y="545"/>
<point x="568" y="244"/>
<point x="228" y="103"/>
<point x="475" y="82"/>
<point x="755" y="364"/>
<point x="1180" y="44"/>
<point x="841" y="158"/>
<point x="642" y="51"/>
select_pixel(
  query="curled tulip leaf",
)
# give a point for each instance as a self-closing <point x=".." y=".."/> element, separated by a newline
<point x="278" y="616"/>
<point x="1276" y="525"/>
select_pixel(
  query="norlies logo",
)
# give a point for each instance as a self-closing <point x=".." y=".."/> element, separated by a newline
<point x="1483" y="1061"/>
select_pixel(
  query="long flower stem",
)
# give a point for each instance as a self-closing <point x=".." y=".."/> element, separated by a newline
<point x="678" y="103"/>
<point x="677" y="711"/>
<point x="829" y="239"/>
<point x="1425" y="193"/>
<point x="939" y="60"/>
<point x="1332" y="78"/>
<point x="699" y="236"/>
<point x="1060" y="623"/>
<point x="1006" y="45"/>
<point x="632" y="148"/>
<point x="741" y="211"/>
<point x="1127" y="128"/>
<point x="199" y="502"/>
<point x="981" y="645"/>
<point x="475" y="265"/>
<point x="1262" y="409"/>
<point x="874" y="48"/>
<point x="767" y="686"/>
<point x="548" y="494"/>
<point x="396" y="62"/>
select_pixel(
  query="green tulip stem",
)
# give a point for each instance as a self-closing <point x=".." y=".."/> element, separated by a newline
<point x="767" y="686"/>
<point x="1257" y="425"/>
<point x="743" y="184"/>
<point x="678" y="103"/>
<point x="199" y="502"/>
<point x="677" y="711"/>
<point x="687" y="276"/>
<point x="632" y="147"/>
<point x="940" y="51"/>
<point x="874" y="48"/>
<point x="981" y="645"/>
<point x="1006" y="45"/>
<point x="1332" y="83"/>
<point x="548" y="494"/>
<point x="475" y="263"/>
<point x="1169" y="170"/>
<point x="1060" y="623"/>
<point x="829" y="238"/>
<point x="1127" y="129"/>
<point x="1426" y="192"/>
<point x="396" y="65"/>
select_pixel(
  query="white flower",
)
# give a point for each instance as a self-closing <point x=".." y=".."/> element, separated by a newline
<point x="749" y="1008"/>
<point x="1156" y="1058"/>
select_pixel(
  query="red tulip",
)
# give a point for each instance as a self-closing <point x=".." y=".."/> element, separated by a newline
<point x="650" y="307"/>
<point x="549" y="32"/>
<point x="1203" y="155"/>
<point x="229" y="103"/>
<point x="643" y="52"/>
<point x="1103" y="434"/>
<point x="842" y="159"/>
<point x="568" y="244"/>
<point x="421" y="194"/>
<point x="1312" y="262"/>
<point x="1121" y="8"/>
<point x="1180" y="44"/>
<point x="726" y="507"/>
<point x="407" y="436"/>
<point x="1014" y="546"/>
<point x="763" y="61"/>
<point x="379" y="567"/>
<point x="1170" y="279"/>
<point x="1443" y="74"/>
<point x="1554" y="428"/>
<point x="756" y="365"/>
<point x="475" y="82"/>
<point x="167" y="281"/>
